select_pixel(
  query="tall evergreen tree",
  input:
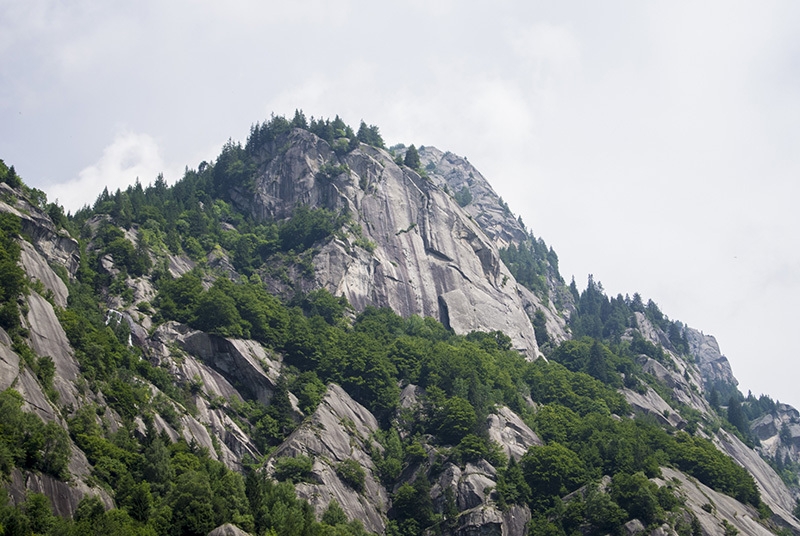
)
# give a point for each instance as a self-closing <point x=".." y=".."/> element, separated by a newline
<point x="412" y="158"/>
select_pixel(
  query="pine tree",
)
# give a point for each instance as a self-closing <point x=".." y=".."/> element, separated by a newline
<point x="412" y="158"/>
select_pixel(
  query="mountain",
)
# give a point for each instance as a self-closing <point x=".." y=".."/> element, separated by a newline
<point x="315" y="334"/>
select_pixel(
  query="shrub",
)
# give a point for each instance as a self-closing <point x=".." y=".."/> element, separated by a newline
<point x="351" y="474"/>
<point x="296" y="469"/>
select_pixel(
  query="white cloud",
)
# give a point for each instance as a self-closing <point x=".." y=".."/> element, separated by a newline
<point x="130" y="156"/>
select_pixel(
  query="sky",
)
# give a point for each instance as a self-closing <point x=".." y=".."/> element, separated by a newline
<point x="655" y="145"/>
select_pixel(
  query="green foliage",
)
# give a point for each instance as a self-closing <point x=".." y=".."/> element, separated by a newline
<point x="412" y="508"/>
<point x="463" y="197"/>
<point x="593" y="358"/>
<point x="308" y="226"/>
<point x="701" y="459"/>
<point x="370" y="135"/>
<point x="737" y="417"/>
<point x="551" y="471"/>
<point x="511" y="486"/>
<point x="638" y="496"/>
<point x="352" y="474"/>
<point x="293" y="469"/>
<point x="12" y="277"/>
<point x="29" y="443"/>
<point x="540" y="328"/>
<point x="9" y="175"/>
<point x="412" y="158"/>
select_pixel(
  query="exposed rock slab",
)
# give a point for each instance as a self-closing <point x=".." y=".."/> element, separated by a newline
<point x="743" y="517"/>
<point x="57" y="247"/>
<point x="64" y="497"/>
<point x="36" y="267"/>
<point x="714" y="367"/>
<point x="228" y="530"/>
<point x="489" y="520"/>
<point x="651" y="403"/>
<point x="243" y="363"/>
<point x="511" y="433"/>
<point x="430" y="259"/>
<point x="338" y="430"/>
<point x="49" y="339"/>
<point x="773" y="490"/>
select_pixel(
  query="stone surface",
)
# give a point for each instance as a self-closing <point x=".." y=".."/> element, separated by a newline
<point x="56" y="247"/>
<point x="634" y="527"/>
<point x="338" y="430"/>
<point x="744" y="518"/>
<point x="244" y="364"/>
<point x="489" y="520"/>
<point x="228" y="530"/>
<point x="64" y="497"/>
<point x="651" y="403"/>
<point x="714" y="367"/>
<point x="36" y="267"/>
<point x="48" y="339"/>
<point x="773" y="490"/>
<point x="452" y="173"/>
<point x="511" y="433"/>
<point x="430" y="259"/>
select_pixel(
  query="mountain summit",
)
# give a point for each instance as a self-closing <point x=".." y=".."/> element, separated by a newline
<point x="316" y="334"/>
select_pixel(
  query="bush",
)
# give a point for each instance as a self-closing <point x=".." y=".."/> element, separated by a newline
<point x="351" y="474"/>
<point x="296" y="469"/>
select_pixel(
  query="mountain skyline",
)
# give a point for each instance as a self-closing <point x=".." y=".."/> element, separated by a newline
<point x="652" y="147"/>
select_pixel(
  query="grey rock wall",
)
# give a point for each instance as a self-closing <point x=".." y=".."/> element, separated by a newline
<point x="431" y="258"/>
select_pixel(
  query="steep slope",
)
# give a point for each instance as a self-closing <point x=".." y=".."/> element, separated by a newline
<point x="158" y="342"/>
<point x="429" y="257"/>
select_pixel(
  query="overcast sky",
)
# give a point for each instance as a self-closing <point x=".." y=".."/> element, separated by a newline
<point x="655" y="145"/>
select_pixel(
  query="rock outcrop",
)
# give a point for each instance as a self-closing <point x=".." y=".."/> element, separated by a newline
<point x="773" y="490"/>
<point x="713" y="508"/>
<point x="430" y="257"/>
<point x="56" y="247"/>
<point x="340" y="429"/>
<point x="508" y="430"/>
<point x="714" y="367"/>
<point x="458" y="177"/>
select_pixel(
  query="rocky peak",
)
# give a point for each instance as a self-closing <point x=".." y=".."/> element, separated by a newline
<point x="465" y="182"/>
<point x="430" y="257"/>
<point x="714" y="367"/>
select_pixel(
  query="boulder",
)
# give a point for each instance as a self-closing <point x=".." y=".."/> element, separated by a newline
<point x="511" y="433"/>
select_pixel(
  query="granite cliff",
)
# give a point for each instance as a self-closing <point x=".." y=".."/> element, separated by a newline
<point x="450" y="441"/>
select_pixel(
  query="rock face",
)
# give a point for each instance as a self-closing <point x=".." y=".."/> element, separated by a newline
<point x="228" y="530"/>
<point x="340" y="429"/>
<point x="48" y="339"/>
<point x="714" y="367"/>
<point x="430" y="257"/>
<point x="651" y="403"/>
<point x="446" y="168"/>
<point x="491" y="521"/>
<point x="456" y="175"/>
<point x="773" y="490"/>
<point x="779" y="433"/>
<point x="711" y="507"/>
<point x="508" y="430"/>
<point x="56" y="247"/>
